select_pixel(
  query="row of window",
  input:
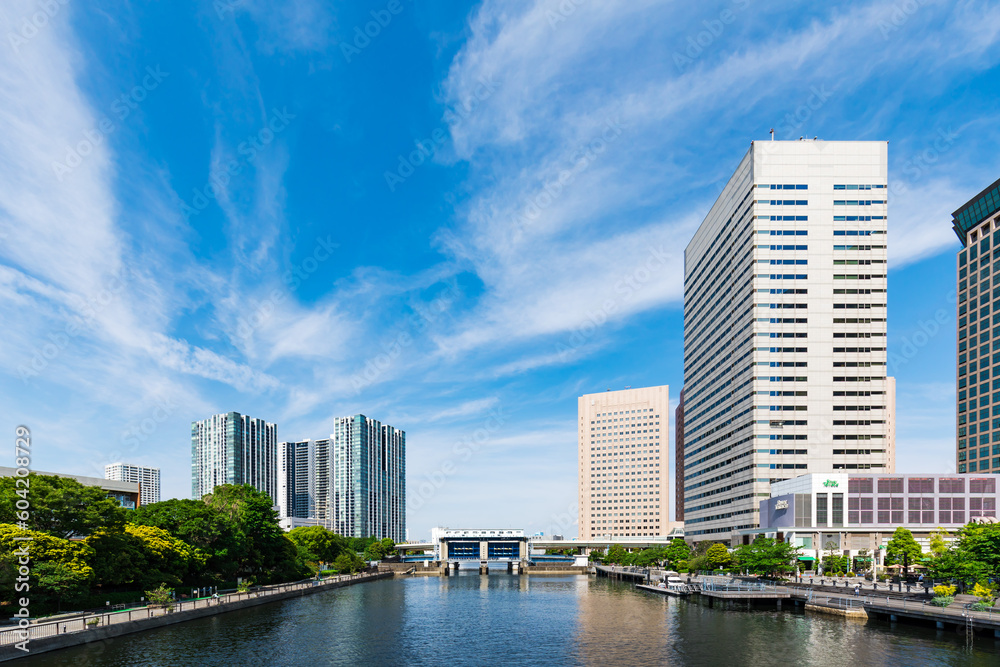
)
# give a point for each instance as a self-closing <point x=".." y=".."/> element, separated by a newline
<point x="950" y="485"/>
<point x="857" y="202"/>
<point x="859" y="187"/>
<point x="982" y="466"/>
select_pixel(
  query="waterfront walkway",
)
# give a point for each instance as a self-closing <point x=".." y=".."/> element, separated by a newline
<point x="891" y="605"/>
<point x="85" y="628"/>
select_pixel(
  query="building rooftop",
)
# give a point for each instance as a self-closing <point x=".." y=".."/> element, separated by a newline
<point x="977" y="209"/>
<point x="106" y="484"/>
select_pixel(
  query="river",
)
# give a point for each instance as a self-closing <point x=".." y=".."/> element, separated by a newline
<point x="529" y="620"/>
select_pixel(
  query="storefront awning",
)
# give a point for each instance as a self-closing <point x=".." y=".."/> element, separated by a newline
<point x="862" y="559"/>
<point x="806" y="558"/>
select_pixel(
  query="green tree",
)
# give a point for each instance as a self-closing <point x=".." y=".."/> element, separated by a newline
<point x="61" y="583"/>
<point x="255" y="522"/>
<point x="902" y="544"/>
<point x="143" y="556"/>
<point x="981" y="542"/>
<point x="320" y="544"/>
<point x="718" y="556"/>
<point x="61" y="506"/>
<point x="59" y="568"/>
<point x="938" y="543"/>
<point x="648" y="557"/>
<point x="348" y="563"/>
<point x="617" y="555"/>
<point x="959" y="565"/>
<point x="161" y="596"/>
<point x="388" y="547"/>
<point x="675" y="552"/>
<point x="202" y="527"/>
<point x="835" y="564"/>
<point x="379" y="549"/>
<point x="766" y="556"/>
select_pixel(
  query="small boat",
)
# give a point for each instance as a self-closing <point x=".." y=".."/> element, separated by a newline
<point x="675" y="586"/>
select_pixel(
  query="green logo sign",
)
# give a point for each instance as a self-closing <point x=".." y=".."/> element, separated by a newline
<point x="830" y="482"/>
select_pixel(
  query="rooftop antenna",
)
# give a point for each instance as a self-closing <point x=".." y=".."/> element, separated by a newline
<point x="772" y="134"/>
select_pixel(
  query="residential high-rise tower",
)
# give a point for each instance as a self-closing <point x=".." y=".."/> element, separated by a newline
<point x="297" y="480"/>
<point x="231" y="448"/>
<point x="369" y="479"/>
<point x="148" y="479"/>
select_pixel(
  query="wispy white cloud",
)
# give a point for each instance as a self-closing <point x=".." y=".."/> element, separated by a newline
<point x="550" y="252"/>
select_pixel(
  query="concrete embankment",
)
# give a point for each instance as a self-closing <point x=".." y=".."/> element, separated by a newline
<point x="858" y="613"/>
<point x="103" y="628"/>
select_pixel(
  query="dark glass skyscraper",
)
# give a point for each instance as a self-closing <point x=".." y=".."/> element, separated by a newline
<point x="977" y="225"/>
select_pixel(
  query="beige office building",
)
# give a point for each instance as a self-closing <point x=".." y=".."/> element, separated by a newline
<point x="623" y="445"/>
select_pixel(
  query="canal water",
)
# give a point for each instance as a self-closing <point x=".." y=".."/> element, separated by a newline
<point x="529" y="620"/>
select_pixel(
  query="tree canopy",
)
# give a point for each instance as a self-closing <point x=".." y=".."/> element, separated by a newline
<point x="318" y="543"/>
<point x="676" y="552"/>
<point x="144" y="556"/>
<point x="718" y="556"/>
<point x="766" y="555"/>
<point x="231" y="532"/>
<point x="60" y="568"/>
<point x="61" y="506"/>
<point x="902" y="544"/>
<point x="255" y="524"/>
<point x="199" y="526"/>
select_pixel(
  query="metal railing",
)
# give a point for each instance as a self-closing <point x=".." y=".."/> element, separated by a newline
<point x="15" y="634"/>
<point x="722" y="584"/>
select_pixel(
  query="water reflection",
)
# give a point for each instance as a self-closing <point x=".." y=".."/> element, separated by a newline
<point x="528" y="620"/>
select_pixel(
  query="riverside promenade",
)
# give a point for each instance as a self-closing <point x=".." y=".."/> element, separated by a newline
<point x="105" y="627"/>
<point x="890" y="605"/>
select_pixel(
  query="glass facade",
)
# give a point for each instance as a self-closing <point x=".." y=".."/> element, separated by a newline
<point x="978" y="396"/>
<point x="232" y="448"/>
<point x="368" y="479"/>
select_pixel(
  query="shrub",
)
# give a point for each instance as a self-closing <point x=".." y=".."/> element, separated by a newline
<point x="943" y="600"/>
<point x="851" y="574"/>
<point x="161" y="596"/>
<point x="984" y="593"/>
<point x="943" y="590"/>
<point x="980" y="606"/>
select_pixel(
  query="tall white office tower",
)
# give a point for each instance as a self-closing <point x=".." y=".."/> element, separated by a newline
<point x="623" y="463"/>
<point x="785" y="329"/>
<point x="148" y="479"/>
<point x="369" y="479"/>
<point x="232" y="448"/>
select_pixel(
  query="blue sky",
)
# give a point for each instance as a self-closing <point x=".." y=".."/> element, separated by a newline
<point x="252" y="206"/>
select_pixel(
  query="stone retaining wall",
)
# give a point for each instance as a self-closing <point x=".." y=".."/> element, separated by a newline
<point x="102" y="634"/>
